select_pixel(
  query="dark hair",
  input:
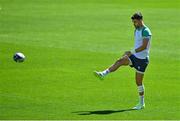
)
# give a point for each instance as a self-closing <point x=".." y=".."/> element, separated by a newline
<point x="137" y="16"/>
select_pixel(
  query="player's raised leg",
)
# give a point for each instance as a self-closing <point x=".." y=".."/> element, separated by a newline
<point x="141" y="89"/>
<point x="120" y="62"/>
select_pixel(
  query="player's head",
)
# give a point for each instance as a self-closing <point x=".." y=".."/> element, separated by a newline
<point x="137" y="19"/>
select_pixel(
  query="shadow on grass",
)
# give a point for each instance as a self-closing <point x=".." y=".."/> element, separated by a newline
<point x="101" y="112"/>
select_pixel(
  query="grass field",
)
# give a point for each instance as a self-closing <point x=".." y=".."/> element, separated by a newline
<point x="66" y="40"/>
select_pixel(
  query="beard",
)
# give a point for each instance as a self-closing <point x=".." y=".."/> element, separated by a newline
<point x="136" y="26"/>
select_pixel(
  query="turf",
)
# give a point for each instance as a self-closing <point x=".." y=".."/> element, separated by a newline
<point x="66" y="40"/>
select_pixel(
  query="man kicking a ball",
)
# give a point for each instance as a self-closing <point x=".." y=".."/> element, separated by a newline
<point x="137" y="58"/>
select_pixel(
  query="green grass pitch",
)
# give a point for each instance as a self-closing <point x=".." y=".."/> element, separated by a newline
<point x="66" y="40"/>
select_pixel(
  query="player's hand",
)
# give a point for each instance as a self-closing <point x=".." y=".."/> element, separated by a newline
<point x="128" y="53"/>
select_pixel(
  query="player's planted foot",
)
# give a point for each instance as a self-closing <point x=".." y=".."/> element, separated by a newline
<point x="99" y="75"/>
<point x="139" y="106"/>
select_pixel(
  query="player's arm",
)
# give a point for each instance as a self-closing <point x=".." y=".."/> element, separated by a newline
<point x="139" y="49"/>
<point x="143" y="46"/>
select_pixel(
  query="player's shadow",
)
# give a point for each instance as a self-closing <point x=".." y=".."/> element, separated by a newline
<point x="101" y="112"/>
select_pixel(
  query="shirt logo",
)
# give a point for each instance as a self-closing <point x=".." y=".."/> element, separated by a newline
<point x="139" y="67"/>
